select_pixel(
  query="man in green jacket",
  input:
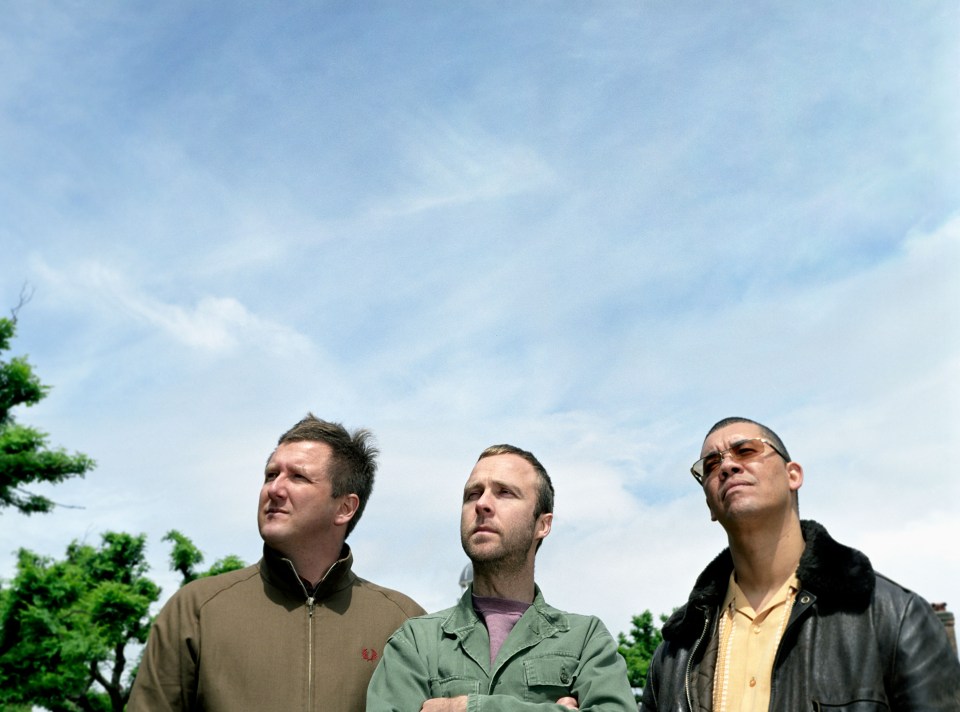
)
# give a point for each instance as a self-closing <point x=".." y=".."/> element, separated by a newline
<point x="502" y="647"/>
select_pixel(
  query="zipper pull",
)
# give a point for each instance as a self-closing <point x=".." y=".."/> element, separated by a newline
<point x="310" y="604"/>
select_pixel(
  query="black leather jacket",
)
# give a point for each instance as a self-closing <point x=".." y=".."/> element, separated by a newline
<point x="856" y="641"/>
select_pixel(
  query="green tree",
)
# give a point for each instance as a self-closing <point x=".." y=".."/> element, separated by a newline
<point x="185" y="556"/>
<point x="68" y="628"/>
<point x="67" y="624"/>
<point x="638" y="649"/>
<point x="24" y="455"/>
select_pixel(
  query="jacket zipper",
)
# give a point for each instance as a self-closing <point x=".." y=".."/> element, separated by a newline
<point x="310" y="606"/>
<point x="686" y="677"/>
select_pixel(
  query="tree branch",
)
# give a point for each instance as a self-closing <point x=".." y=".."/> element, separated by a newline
<point x="25" y="297"/>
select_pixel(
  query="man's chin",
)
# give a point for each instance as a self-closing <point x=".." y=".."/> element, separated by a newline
<point x="480" y="553"/>
<point x="272" y="534"/>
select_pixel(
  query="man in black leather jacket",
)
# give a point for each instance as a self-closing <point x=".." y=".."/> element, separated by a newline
<point x="786" y="618"/>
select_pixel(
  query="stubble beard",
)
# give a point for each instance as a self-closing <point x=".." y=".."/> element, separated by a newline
<point x="508" y="558"/>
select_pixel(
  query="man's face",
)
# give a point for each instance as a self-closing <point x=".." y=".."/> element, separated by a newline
<point x="296" y="507"/>
<point x="497" y="525"/>
<point x="752" y="485"/>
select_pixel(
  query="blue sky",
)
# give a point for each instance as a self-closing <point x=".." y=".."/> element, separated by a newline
<point x="588" y="229"/>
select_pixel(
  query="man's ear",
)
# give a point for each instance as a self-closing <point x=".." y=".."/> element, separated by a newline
<point x="346" y="509"/>
<point x="794" y="475"/>
<point x="543" y="526"/>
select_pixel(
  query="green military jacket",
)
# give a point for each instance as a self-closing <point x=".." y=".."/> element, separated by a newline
<point x="549" y="654"/>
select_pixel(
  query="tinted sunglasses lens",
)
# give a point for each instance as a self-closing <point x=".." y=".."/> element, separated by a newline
<point x="710" y="463"/>
<point x="746" y="449"/>
<point x="697" y="470"/>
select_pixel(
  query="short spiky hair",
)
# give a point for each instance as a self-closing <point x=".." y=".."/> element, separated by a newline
<point x="354" y="458"/>
<point x="767" y="432"/>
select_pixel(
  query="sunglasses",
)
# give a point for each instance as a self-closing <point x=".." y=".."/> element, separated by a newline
<point x="740" y="451"/>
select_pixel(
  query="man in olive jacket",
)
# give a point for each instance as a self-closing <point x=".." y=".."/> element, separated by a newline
<point x="787" y="618"/>
<point x="502" y="647"/>
<point x="298" y="630"/>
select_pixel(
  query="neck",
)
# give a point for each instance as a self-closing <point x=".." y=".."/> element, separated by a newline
<point x="765" y="555"/>
<point x="513" y="585"/>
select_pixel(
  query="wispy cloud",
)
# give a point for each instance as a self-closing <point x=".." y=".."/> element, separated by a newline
<point x="448" y="164"/>
<point x="215" y="325"/>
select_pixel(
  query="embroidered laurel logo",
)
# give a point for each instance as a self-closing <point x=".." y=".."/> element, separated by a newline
<point x="369" y="654"/>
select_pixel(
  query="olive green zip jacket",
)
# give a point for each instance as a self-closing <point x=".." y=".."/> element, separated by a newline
<point x="549" y="654"/>
<point x="256" y="639"/>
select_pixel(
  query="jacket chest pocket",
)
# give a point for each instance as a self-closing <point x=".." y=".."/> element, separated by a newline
<point x="549" y="678"/>
<point x="453" y="686"/>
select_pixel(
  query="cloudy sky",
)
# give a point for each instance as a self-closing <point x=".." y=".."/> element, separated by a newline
<point x="588" y="229"/>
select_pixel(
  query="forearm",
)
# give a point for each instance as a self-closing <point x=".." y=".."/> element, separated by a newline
<point x="602" y="683"/>
<point x="509" y="703"/>
<point x="400" y="682"/>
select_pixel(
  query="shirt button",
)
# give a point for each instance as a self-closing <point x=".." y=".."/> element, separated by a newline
<point x="753" y="681"/>
<point x="756" y="630"/>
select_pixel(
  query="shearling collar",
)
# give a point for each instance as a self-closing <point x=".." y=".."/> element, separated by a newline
<point x="841" y="578"/>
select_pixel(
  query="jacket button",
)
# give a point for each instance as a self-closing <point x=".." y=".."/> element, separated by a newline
<point x="805" y="599"/>
<point x="564" y="678"/>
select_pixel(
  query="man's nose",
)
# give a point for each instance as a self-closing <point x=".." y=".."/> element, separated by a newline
<point x="277" y="486"/>
<point x="728" y="466"/>
<point x="484" y="502"/>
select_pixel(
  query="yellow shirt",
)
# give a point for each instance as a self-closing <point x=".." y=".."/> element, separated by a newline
<point x="748" y="645"/>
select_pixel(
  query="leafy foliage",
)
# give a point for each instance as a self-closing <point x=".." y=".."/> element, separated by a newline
<point x="185" y="557"/>
<point x="66" y="627"/>
<point x="638" y="649"/>
<point x="66" y="624"/>
<point x="24" y="455"/>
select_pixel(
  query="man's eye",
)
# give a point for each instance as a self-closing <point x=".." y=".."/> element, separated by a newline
<point x="746" y="449"/>
<point x="711" y="463"/>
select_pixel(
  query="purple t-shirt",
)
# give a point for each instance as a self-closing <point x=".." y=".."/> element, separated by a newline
<point x="499" y="615"/>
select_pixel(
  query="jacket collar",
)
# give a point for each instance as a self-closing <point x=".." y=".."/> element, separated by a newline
<point x="841" y="579"/>
<point x="540" y="621"/>
<point x="279" y="571"/>
<point x="463" y="617"/>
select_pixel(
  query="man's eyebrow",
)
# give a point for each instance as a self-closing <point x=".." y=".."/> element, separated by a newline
<point x="500" y="484"/>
